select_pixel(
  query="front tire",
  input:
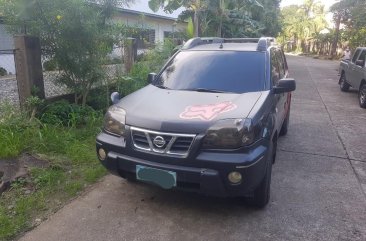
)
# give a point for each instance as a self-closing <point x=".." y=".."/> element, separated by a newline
<point x="284" y="128"/>
<point x="343" y="85"/>
<point x="362" y="96"/>
<point x="262" y="193"/>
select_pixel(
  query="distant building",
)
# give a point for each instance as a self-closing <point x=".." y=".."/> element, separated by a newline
<point x="159" y="26"/>
<point x="152" y="27"/>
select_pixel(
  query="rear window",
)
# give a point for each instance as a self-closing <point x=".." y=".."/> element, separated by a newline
<point x="226" y="71"/>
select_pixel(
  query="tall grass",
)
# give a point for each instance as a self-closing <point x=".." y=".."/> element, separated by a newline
<point x="67" y="142"/>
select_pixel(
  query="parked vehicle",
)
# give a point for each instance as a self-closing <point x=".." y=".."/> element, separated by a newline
<point x="208" y="122"/>
<point x="353" y="74"/>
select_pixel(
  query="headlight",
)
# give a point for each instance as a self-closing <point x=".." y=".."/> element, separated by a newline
<point x="115" y="120"/>
<point x="230" y="134"/>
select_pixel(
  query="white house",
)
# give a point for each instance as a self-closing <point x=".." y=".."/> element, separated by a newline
<point x="160" y="24"/>
<point x="153" y="27"/>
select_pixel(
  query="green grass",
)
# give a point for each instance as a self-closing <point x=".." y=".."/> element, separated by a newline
<point x="73" y="166"/>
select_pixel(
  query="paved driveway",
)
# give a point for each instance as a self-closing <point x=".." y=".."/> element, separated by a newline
<point x="318" y="187"/>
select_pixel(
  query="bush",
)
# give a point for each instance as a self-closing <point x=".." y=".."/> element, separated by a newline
<point x="114" y="60"/>
<point x="66" y="114"/>
<point x="127" y="85"/>
<point x="153" y="60"/>
<point x="50" y="65"/>
<point x="3" y="71"/>
<point x="150" y="62"/>
<point x="14" y="130"/>
<point x="99" y="98"/>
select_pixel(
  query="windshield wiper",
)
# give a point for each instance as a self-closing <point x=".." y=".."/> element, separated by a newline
<point x="206" y="90"/>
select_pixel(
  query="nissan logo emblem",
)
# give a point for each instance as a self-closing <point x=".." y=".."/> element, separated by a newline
<point x="159" y="141"/>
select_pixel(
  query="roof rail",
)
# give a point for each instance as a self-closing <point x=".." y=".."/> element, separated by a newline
<point x="193" y="42"/>
<point x="263" y="42"/>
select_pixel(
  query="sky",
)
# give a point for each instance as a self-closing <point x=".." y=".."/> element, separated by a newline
<point x="143" y="6"/>
<point x="327" y="3"/>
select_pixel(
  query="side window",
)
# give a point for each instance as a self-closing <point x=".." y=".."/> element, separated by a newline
<point x="275" y="69"/>
<point x="281" y="64"/>
<point x="356" y="55"/>
<point x="284" y="63"/>
<point x="362" y="55"/>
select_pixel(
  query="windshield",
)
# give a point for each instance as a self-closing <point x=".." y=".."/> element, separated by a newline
<point x="218" y="71"/>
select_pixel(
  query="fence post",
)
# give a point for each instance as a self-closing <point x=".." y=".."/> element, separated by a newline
<point x="130" y="53"/>
<point x="28" y="67"/>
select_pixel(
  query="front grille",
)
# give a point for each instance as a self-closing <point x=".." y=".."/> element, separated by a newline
<point x="161" y="142"/>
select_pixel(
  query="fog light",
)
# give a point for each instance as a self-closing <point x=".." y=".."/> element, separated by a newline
<point x="102" y="154"/>
<point x="234" y="177"/>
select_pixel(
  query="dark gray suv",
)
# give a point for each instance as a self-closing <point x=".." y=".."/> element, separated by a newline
<point x="208" y="122"/>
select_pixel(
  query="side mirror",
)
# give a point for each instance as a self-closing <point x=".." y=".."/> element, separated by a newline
<point x="360" y="63"/>
<point x="151" y="77"/>
<point x="285" y="85"/>
<point x="115" y="97"/>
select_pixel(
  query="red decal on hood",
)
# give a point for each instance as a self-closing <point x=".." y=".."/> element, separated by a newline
<point x="207" y="112"/>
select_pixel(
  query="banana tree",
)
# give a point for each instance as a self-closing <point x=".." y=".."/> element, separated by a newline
<point x="210" y="11"/>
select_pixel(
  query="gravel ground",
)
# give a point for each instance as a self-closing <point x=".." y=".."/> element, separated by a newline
<point x="9" y="88"/>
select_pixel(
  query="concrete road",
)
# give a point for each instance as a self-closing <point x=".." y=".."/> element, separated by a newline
<point x="318" y="187"/>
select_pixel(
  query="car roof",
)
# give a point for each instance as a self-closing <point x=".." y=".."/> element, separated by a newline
<point x="226" y="47"/>
<point x="232" y="44"/>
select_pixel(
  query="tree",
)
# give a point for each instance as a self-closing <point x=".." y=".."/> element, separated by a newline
<point x="341" y="13"/>
<point x="75" y="33"/>
<point x="268" y="17"/>
<point x="302" y="23"/>
<point x="222" y="18"/>
<point x="356" y="26"/>
<point x="194" y="6"/>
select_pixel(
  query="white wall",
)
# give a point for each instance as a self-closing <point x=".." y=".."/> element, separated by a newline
<point x="158" y="24"/>
<point x="7" y="62"/>
<point x="6" y="43"/>
<point x="6" y="40"/>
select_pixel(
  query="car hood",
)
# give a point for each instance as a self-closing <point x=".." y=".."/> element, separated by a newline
<point x="184" y="111"/>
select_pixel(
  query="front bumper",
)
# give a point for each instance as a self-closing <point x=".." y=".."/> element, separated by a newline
<point x="202" y="171"/>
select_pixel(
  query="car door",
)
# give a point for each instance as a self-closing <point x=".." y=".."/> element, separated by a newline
<point x="275" y="77"/>
<point x="359" y="70"/>
<point x="350" y="74"/>
<point x="283" y="74"/>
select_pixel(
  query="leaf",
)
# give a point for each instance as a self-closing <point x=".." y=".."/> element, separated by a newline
<point x="154" y="5"/>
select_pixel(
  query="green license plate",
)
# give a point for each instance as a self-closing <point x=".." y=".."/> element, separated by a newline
<point x="163" y="178"/>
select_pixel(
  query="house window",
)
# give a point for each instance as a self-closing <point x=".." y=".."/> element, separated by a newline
<point x="168" y="34"/>
<point x="145" y="38"/>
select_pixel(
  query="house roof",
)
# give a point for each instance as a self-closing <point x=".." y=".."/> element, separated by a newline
<point x="142" y="7"/>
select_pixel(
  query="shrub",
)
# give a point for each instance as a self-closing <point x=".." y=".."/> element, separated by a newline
<point x="99" y="98"/>
<point x="114" y="60"/>
<point x="3" y="71"/>
<point x="50" y="65"/>
<point x="150" y="62"/>
<point x="14" y="130"/>
<point x="127" y="85"/>
<point x="153" y="60"/>
<point x="64" y="113"/>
